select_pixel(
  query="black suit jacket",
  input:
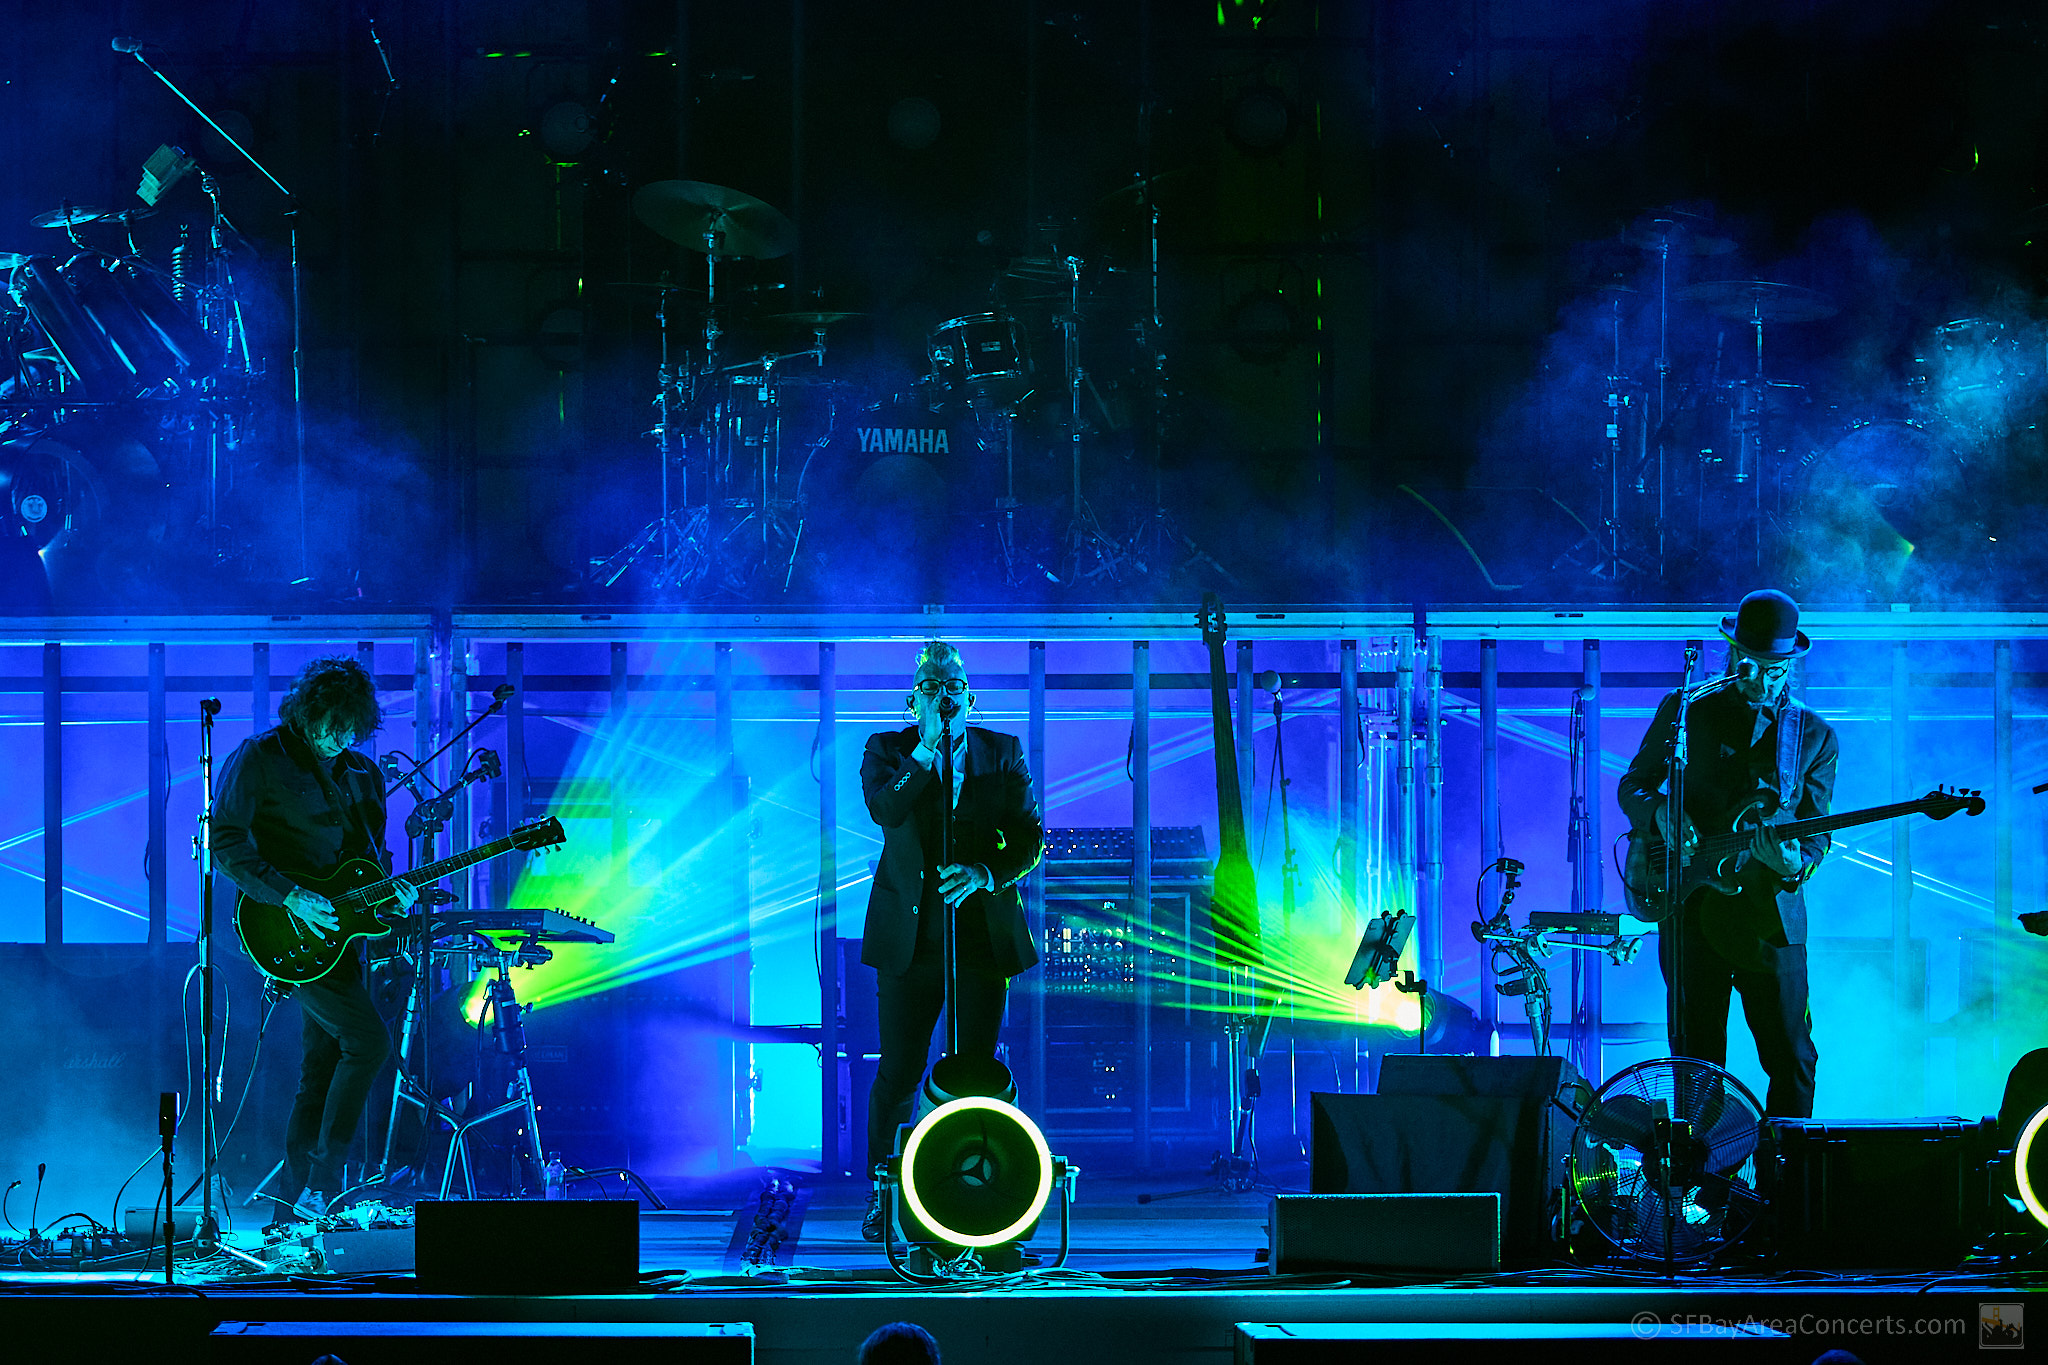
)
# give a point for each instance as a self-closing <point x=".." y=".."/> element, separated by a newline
<point x="1731" y="763"/>
<point x="996" y="824"/>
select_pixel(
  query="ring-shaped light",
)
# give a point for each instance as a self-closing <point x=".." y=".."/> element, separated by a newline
<point x="2022" y="1151"/>
<point x="966" y="1104"/>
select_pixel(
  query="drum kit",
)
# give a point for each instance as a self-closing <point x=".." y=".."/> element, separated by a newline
<point x="1740" y="471"/>
<point x="777" y="468"/>
<point x="120" y="376"/>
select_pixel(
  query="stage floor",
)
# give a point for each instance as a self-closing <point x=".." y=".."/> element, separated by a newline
<point x="1158" y="1282"/>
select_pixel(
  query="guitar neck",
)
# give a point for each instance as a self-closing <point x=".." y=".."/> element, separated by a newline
<point x="1827" y="824"/>
<point x="434" y="871"/>
<point x="1230" y="834"/>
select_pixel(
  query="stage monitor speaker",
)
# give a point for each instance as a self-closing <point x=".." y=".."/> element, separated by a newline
<point x="1531" y="1078"/>
<point x="1395" y="1233"/>
<point x="1454" y="1125"/>
<point x="1905" y="1195"/>
<point x="501" y="1343"/>
<point x="527" y="1246"/>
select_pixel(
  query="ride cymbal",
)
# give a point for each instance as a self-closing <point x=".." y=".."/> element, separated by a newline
<point x="713" y="218"/>
<point x="1760" y="301"/>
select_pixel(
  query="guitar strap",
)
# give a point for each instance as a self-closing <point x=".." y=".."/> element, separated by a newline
<point x="1791" y="727"/>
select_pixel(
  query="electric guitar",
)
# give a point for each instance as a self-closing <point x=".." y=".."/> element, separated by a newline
<point x="284" y="949"/>
<point x="1718" y="859"/>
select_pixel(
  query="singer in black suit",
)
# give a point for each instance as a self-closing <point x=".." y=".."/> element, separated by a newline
<point x="997" y="839"/>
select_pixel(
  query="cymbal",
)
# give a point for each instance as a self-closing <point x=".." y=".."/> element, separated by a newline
<point x="813" y="320"/>
<point x="654" y="286"/>
<point x="71" y="215"/>
<point x="12" y="260"/>
<point x="1683" y="237"/>
<point x="687" y="211"/>
<point x="1753" y="300"/>
<point x="1139" y="189"/>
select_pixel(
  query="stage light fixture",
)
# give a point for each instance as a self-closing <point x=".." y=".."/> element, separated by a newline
<point x="976" y="1172"/>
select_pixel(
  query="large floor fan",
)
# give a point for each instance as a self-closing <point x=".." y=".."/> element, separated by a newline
<point x="1663" y="1162"/>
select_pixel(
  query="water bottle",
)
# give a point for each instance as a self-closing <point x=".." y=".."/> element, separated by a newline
<point x="557" y="1177"/>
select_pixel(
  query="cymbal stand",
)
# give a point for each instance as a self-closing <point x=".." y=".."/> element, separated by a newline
<point x="1159" y="537"/>
<point x="1086" y="543"/>
<point x="677" y="537"/>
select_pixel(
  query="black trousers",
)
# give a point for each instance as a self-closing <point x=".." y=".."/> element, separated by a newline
<point x="345" y="1044"/>
<point x="909" y="1007"/>
<point x="1774" y="1003"/>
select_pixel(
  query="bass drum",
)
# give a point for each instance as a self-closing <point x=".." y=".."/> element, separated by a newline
<point x="883" y="498"/>
<point x="90" y="508"/>
<point x="1889" y="498"/>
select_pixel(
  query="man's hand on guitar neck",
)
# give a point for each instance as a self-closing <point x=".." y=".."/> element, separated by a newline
<point x="1784" y="858"/>
<point x="312" y="909"/>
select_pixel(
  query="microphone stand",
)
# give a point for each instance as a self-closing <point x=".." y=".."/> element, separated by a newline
<point x="298" y="319"/>
<point x="429" y="816"/>
<point x="208" y="1232"/>
<point x="954" y="1076"/>
<point x="1676" y="858"/>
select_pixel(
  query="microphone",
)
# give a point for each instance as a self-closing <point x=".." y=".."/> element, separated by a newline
<point x="209" y="706"/>
<point x="1267" y="680"/>
<point x="949" y="706"/>
<point x="1583" y="694"/>
<point x="128" y="45"/>
<point x="503" y="692"/>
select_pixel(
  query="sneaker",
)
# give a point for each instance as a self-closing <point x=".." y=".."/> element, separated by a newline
<point x="311" y="1204"/>
<point x="871" y="1221"/>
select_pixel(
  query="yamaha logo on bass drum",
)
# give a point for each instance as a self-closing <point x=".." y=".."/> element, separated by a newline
<point x="904" y="441"/>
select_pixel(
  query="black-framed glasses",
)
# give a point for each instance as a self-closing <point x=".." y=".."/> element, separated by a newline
<point x="952" y="687"/>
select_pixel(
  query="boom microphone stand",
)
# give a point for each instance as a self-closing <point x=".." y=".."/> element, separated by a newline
<point x="134" y="48"/>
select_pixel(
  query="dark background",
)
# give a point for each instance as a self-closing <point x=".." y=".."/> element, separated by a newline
<point x="1384" y="237"/>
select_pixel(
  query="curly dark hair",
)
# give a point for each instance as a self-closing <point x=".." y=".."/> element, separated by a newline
<point x="333" y="690"/>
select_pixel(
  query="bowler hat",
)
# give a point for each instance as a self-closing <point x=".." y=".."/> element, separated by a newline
<point x="1767" y="625"/>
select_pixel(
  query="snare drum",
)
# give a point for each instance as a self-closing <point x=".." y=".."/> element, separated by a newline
<point x="976" y="360"/>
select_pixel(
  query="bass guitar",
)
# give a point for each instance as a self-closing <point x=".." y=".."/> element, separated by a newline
<point x="362" y="894"/>
<point x="1718" y="859"/>
<point x="1234" y="904"/>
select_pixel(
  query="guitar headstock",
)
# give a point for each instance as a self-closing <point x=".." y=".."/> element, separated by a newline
<point x="540" y="834"/>
<point x="1943" y="802"/>
<point x="1210" y="619"/>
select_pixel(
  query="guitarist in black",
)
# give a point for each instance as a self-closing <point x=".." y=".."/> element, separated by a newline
<point x="997" y="840"/>
<point x="298" y="796"/>
<point x="1746" y="739"/>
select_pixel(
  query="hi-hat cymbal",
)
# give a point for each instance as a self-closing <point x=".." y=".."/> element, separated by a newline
<point x="12" y="260"/>
<point x="707" y="217"/>
<point x="1680" y="232"/>
<point x="1761" y="301"/>
<point x="813" y="320"/>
